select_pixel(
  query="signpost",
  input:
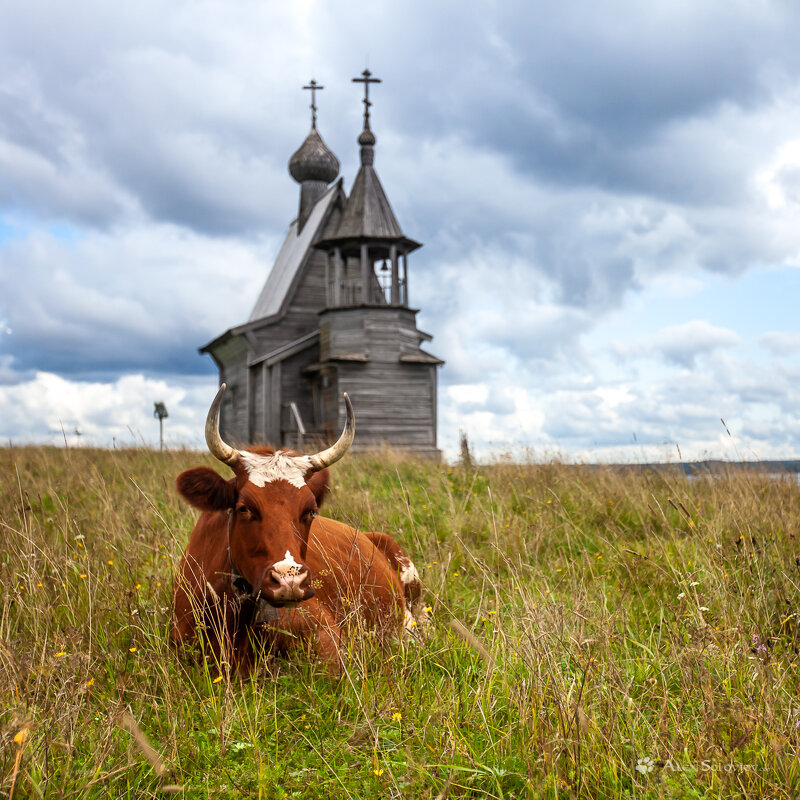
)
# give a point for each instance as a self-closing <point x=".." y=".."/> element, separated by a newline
<point x="160" y="411"/>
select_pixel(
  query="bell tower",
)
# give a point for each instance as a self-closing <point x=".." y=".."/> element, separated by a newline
<point x="369" y="340"/>
<point x="368" y="254"/>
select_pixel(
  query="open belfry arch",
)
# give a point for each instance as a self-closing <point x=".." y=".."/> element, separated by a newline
<point x="333" y="317"/>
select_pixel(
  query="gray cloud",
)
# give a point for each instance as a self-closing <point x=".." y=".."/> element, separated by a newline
<point x="555" y="161"/>
<point x="142" y="300"/>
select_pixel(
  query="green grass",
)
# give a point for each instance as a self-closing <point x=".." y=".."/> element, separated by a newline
<point x="626" y="615"/>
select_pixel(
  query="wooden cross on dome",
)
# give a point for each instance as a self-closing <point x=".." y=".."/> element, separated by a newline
<point x="366" y="79"/>
<point x="314" y="86"/>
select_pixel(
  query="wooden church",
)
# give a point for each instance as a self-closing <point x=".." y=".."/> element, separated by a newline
<point x="333" y="317"/>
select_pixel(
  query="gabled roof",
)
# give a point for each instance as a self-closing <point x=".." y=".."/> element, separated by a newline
<point x="291" y="257"/>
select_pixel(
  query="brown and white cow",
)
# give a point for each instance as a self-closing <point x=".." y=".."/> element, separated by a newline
<point x="263" y="569"/>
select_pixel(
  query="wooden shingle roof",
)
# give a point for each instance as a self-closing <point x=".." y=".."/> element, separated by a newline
<point x="291" y="257"/>
<point x="368" y="214"/>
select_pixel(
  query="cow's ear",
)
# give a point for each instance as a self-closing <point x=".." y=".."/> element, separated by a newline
<point x="206" y="489"/>
<point x="318" y="483"/>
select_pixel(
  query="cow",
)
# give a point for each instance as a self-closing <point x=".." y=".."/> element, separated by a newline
<point x="263" y="571"/>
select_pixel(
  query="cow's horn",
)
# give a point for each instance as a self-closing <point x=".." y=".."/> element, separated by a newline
<point x="224" y="452"/>
<point x="337" y="450"/>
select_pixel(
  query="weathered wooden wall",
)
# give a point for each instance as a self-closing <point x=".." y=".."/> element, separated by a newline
<point x="395" y="404"/>
<point x="359" y="350"/>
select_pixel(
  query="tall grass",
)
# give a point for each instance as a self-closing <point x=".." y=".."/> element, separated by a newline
<point x="597" y="632"/>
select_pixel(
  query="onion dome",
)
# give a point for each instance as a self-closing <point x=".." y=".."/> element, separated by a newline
<point x="313" y="161"/>
<point x="367" y="142"/>
<point x="366" y="138"/>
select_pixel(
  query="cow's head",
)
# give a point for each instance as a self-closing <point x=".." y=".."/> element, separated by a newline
<point x="270" y="501"/>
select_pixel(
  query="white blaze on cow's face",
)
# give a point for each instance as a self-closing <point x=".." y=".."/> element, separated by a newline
<point x="288" y="566"/>
<point x="264" y="469"/>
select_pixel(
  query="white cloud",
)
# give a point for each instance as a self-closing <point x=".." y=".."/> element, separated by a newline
<point x="780" y="180"/>
<point x="681" y="344"/>
<point x="49" y="408"/>
<point x="780" y="343"/>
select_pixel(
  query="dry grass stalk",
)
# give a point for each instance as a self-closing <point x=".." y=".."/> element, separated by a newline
<point x="472" y="641"/>
<point x="148" y="751"/>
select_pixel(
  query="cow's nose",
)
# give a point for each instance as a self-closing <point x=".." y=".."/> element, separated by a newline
<point x="285" y="587"/>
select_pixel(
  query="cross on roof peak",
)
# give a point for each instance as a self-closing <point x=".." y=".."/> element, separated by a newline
<point x="314" y="87"/>
<point x="366" y="78"/>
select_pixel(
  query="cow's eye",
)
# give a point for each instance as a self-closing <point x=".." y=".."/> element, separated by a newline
<point x="243" y="510"/>
<point x="310" y="514"/>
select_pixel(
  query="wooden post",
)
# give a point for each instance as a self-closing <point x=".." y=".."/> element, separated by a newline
<point x="337" y="277"/>
<point x="365" y="287"/>
<point x="249" y="397"/>
<point x="264" y="401"/>
<point x="395" y="279"/>
<point x="405" y="279"/>
<point x="275" y="405"/>
<point x="327" y="277"/>
<point x="298" y="421"/>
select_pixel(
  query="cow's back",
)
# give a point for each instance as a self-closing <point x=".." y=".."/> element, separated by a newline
<point x="350" y="574"/>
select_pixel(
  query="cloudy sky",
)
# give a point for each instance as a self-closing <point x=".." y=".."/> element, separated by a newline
<point x="608" y="193"/>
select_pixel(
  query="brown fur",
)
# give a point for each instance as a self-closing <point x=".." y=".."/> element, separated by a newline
<point x="349" y="570"/>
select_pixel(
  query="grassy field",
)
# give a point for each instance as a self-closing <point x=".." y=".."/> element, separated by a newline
<point x="633" y="635"/>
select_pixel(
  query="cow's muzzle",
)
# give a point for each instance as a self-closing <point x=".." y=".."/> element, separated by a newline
<point x="281" y="588"/>
<point x="286" y="581"/>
